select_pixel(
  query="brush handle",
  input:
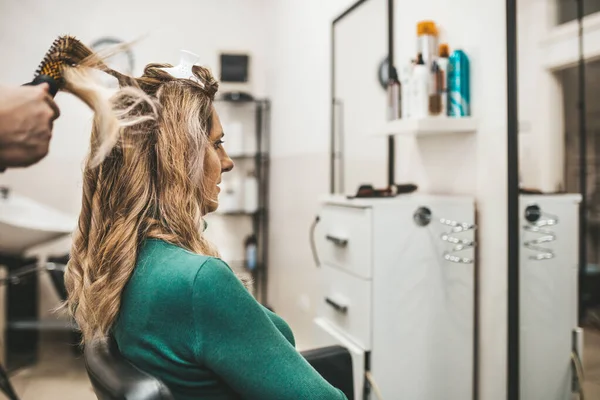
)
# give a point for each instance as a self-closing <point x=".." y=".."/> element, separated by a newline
<point x="52" y="84"/>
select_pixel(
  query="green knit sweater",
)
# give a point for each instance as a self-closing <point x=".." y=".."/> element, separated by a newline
<point x="189" y="321"/>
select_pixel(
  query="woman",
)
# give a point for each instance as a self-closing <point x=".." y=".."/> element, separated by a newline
<point x="142" y="270"/>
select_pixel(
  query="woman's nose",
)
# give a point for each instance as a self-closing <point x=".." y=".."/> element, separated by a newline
<point x="227" y="164"/>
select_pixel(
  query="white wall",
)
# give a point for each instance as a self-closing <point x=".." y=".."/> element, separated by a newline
<point x="299" y="87"/>
<point x="28" y="27"/>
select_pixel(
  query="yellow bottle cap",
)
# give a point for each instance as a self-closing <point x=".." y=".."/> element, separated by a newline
<point x="444" y="50"/>
<point x="427" y="28"/>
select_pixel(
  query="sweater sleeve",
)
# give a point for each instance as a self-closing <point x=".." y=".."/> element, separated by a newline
<point x="238" y="341"/>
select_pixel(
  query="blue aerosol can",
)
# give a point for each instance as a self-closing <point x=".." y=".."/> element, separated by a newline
<point x="459" y="91"/>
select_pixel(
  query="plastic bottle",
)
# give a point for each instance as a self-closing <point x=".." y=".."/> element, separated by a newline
<point x="442" y="62"/>
<point x="419" y="107"/>
<point x="250" y="193"/>
<point x="235" y="138"/>
<point x="427" y="42"/>
<point x="250" y="252"/>
<point x="435" y="99"/>
<point x="230" y="198"/>
<point x="393" y="93"/>
<point x="405" y="88"/>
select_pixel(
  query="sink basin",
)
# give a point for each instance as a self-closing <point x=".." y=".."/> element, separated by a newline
<point x="25" y="223"/>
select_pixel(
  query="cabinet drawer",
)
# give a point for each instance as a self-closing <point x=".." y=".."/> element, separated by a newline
<point x="346" y="303"/>
<point x="344" y="239"/>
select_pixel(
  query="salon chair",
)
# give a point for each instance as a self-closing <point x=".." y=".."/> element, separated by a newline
<point x="115" y="378"/>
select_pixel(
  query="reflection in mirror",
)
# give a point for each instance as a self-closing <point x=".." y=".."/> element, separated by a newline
<point x="358" y="96"/>
<point x="559" y="277"/>
<point x="567" y="10"/>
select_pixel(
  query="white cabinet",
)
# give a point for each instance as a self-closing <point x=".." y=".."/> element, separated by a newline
<point x="548" y="294"/>
<point x="398" y="282"/>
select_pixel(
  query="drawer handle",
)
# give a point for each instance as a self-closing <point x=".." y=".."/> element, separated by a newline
<point x="337" y="241"/>
<point x="338" y="307"/>
<point x="313" y="245"/>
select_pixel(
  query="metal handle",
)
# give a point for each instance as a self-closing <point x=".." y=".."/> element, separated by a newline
<point x="539" y="226"/>
<point x="459" y="244"/>
<point x="313" y="246"/>
<point x="340" y="242"/>
<point x="338" y="307"/>
<point x="16" y="277"/>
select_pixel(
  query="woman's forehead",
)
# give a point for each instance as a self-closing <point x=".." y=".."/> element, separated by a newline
<point x="217" y="129"/>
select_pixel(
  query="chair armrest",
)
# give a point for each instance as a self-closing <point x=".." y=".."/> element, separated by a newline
<point x="334" y="363"/>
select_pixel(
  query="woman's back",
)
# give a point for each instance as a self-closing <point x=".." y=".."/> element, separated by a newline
<point x="189" y="321"/>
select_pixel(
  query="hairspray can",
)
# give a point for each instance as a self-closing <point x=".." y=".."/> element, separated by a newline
<point x="459" y="94"/>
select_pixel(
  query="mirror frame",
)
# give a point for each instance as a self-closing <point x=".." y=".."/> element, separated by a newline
<point x="333" y="154"/>
<point x="513" y="239"/>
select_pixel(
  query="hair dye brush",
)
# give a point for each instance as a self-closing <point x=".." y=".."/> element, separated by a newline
<point x="66" y="51"/>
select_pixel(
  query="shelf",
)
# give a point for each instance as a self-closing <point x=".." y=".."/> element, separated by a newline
<point x="240" y="266"/>
<point x="248" y="156"/>
<point x="42" y="324"/>
<point x="428" y="126"/>
<point x="236" y="213"/>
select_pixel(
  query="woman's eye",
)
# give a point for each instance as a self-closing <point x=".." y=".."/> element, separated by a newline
<point x="219" y="144"/>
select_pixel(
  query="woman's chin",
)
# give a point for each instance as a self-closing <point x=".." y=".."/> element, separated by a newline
<point x="210" y="208"/>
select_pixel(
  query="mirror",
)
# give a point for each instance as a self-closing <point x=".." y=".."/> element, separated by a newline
<point x="554" y="212"/>
<point x="358" y="98"/>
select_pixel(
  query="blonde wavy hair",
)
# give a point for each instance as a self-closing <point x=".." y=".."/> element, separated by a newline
<point x="143" y="178"/>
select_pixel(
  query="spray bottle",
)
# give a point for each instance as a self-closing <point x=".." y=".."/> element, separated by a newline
<point x="459" y="93"/>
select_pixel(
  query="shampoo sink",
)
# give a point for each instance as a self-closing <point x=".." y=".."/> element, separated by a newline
<point x="25" y="223"/>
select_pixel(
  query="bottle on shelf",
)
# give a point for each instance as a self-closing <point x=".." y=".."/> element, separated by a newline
<point x="419" y="107"/>
<point x="435" y="99"/>
<point x="405" y="88"/>
<point x="250" y="246"/>
<point x="442" y="62"/>
<point x="427" y="42"/>
<point x="459" y="91"/>
<point x="235" y="138"/>
<point x="230" y="196"/>
<point x="250" y="193"/>
<point x="393" y="93"/>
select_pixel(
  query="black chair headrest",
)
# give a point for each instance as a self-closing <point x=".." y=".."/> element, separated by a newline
<point x="115" y="378"/>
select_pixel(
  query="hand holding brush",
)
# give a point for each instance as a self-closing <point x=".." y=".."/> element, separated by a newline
<point x="27" y="113"/>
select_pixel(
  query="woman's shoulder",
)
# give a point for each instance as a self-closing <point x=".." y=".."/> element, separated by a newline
<point x="157" y="252"/>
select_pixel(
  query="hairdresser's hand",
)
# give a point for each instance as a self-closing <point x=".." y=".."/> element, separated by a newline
<point x="26" y="117"/>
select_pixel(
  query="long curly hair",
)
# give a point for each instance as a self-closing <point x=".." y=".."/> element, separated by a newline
<point x="143" y="178"/>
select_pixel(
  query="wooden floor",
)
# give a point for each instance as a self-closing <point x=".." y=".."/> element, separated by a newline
<point x="60" y="375"/>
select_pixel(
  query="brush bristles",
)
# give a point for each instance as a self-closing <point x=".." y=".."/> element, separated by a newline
<point x="66" y="51"/>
